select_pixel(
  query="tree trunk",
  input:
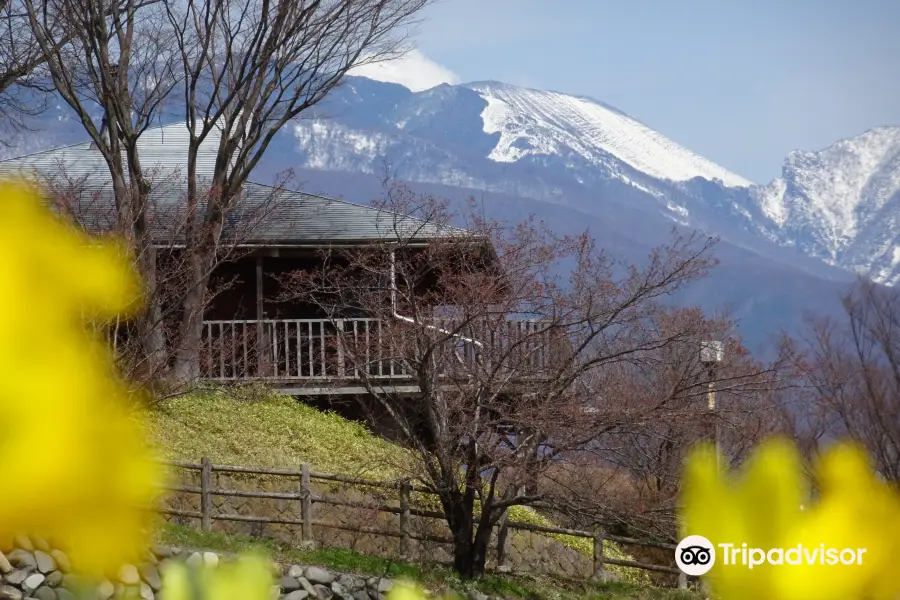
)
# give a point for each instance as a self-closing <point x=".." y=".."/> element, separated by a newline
<point x="480" y="549"/>
<point x="134" y="210"/>
<point x="203" y="246"/>
<point x="464" y="548"/>
<point x="187" y="359"/>
<point x="470" y="546"/>
<point x="531" y="485"/>
<point x="151" y="328"/>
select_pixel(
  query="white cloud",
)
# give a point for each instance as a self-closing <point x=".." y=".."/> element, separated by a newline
<point x="414" y="70"/>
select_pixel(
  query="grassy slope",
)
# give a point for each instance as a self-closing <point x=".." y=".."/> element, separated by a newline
<point x="270" y="430"/>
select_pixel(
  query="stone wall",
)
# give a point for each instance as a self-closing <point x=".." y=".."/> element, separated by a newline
<point x="33" y="570"/>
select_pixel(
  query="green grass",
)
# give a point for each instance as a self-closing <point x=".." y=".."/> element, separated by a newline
<point x="338" y="559"/>
<point x="434" y="578"/>
<point x="270" y="430"/>
<point x="257" y="427"/>
<point x="170" y="534"/>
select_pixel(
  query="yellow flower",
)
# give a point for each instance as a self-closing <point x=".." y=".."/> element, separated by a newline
<point x="405" y="590"/>
<point x="73" y="455"/>
<point x="761" y="507"/>
<point x="248" y="578"/>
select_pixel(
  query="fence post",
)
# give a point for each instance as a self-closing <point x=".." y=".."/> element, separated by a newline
<point x="305" y="504"/>
<point x="205" y="496"/>
<point x="502" y="534"/>
<point x="339" y="338"/>
<point x="682" y="581"/>
<point x="405" y="540"/>
<point x="262" y="363"/>
<point x="599" y="563"/>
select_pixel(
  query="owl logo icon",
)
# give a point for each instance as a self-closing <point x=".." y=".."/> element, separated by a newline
<point x="695" y="555"/>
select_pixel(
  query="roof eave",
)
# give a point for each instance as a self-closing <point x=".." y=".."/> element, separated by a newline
<point x="338" y="242"/>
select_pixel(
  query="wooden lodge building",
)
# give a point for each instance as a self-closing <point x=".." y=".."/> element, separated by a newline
<point x="251" y="335"/>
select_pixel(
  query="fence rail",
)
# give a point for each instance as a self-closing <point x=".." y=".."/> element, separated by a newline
<point x="307" y="498"/>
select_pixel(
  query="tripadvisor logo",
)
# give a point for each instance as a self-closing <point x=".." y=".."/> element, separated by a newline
<point x="797" y="555"/>
<point x="695" y="555"/>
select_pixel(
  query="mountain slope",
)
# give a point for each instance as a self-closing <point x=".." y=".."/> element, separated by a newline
<point x="841" y="204"/>
<point x="544" y="146"/>
<point x="836" y="207"/>
<point x="533" y="122"/>
<point x="507" y="139"/>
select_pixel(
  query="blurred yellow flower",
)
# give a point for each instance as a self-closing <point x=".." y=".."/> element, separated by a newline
<point x="72" y="453"/>
<point x="761" y="507"/>
<point x="406" y="590"/>
<point x="248" y="578"/>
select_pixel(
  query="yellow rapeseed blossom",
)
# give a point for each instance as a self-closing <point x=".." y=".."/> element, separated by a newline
<point x="75" y="466"/>
<point x="248" y="578"/>
<point x="767" y="506"/>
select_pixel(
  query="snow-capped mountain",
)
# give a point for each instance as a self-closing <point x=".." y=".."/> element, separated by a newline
<point x="508" y="139"/>
<point x="841" y="204"/>
<point x="533" y="123"/>
<point x="838" y="206"/>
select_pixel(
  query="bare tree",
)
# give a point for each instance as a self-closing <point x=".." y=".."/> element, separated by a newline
<point x="24" y="89"/>
<point x="517" y="368"/>
<point x="250" y="67"/>
<point x="855" y="377"/>
<point x="747" y="408"/>
<point x="245" y="69"/>
<point x="92" y="209"/>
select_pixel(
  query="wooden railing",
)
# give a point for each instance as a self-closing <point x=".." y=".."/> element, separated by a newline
<point x="346" y="349"/>
<point x="307" y="498"/>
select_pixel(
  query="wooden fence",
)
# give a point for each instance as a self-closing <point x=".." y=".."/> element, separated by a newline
<point x="307" y="499"/>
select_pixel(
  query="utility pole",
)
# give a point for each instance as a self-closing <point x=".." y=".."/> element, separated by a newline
<point x="711" y="354"/>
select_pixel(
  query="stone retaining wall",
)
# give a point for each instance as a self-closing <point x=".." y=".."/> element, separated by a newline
<point x="33" y="570"/>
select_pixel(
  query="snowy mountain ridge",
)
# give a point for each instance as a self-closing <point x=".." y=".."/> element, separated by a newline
<point x="836" y="205"/>
<point x="841" y="204"/>
<point x="542" y="122"/>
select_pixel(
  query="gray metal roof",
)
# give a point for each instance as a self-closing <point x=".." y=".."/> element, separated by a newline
<point x="265" y="215"/>
<point x="163" y="152"/>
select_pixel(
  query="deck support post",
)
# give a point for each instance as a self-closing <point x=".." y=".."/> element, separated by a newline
<point x="261" y="345"/>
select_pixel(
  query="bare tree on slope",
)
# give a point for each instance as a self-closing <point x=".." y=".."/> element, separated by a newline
<point x="517" y="368"/>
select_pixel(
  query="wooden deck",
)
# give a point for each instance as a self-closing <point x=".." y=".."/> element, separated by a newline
<point x="323" y="356"/>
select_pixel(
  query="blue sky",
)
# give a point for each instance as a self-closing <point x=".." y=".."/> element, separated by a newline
<point x="742" y="82"/>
